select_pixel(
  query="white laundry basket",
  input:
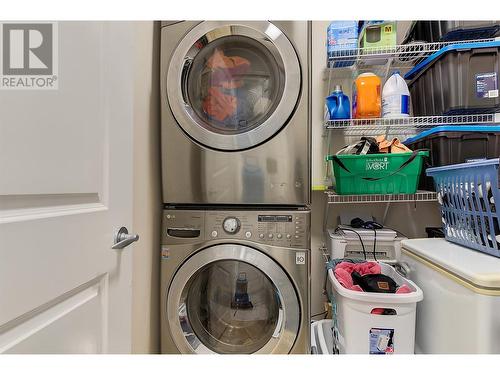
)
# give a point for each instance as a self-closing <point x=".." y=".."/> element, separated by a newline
<point x="358" y="331"/>
<point x="321" y="337"/>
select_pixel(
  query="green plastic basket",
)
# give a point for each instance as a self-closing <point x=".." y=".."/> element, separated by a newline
<point x="377" y="173"/>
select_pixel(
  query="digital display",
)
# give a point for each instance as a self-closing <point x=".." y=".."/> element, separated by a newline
<point x="275" y="218"/>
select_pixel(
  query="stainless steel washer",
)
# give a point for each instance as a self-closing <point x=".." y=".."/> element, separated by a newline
<point x="235" y="281"/>
<point x="235" y="112"/>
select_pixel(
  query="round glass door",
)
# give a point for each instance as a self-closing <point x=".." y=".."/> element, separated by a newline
<point x="232" y="307"/>
<point x="232" y="299"/>
<point x="232" y="86"/>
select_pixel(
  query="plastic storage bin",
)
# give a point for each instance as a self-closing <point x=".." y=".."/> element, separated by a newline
<point x="468" y="194"/>
<point x="437" y="31"/>
<point x="358" y="331"/>
<point x="378" y="34"/>
<point x="455" y="144"/>
<point x="377" y="173"/>
<point x="322" y="337"/>
<point x="460" y="311"/>
<point x="341" y="41"/>
<point x="458" y="79"/>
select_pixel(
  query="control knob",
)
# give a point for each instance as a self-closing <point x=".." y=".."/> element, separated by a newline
<point x="231" y="225"/>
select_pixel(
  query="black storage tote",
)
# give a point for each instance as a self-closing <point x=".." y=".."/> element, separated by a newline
<point x="458" y="79"/>
<point x="456" y="144"/>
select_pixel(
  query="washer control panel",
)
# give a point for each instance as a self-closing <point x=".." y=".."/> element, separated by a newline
<point x="275" y="228"/>
<point x="286" y="229"/>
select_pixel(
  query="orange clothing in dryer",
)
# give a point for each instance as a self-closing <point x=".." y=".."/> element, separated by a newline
<point x="219" y="105"/>
<point x="232" y="63"/>
<point x="227" y="70"/>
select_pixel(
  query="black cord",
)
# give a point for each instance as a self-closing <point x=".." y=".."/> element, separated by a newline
<point x="360" y="239"/>
<point x="374" y="244"/>
<point x="322" y="313"/>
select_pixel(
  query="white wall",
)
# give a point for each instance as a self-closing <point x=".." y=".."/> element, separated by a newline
<point x="147" y="190"/>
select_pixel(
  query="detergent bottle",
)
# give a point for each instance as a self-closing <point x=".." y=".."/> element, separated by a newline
<point x="395" y="97"/>
<point x="366" y="101"/>
<point x="338" y="105"/>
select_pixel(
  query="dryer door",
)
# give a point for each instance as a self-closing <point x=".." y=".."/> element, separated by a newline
<point x="233" y="85"/>
<point x="232" y="299"/>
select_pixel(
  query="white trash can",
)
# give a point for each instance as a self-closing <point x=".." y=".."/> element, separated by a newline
<point x="357" y="330"/>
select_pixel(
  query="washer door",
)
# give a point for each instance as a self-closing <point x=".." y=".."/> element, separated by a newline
<point x="231" y="85"/>
<point x="232" y="299"/>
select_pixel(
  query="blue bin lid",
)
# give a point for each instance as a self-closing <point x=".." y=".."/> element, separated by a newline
<point x="446" y="168"/>
<point x="452" y="47"/>
<point x="453" y="128"/>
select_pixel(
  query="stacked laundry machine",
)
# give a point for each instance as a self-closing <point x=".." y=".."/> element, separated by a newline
<point x="235" y="129"/>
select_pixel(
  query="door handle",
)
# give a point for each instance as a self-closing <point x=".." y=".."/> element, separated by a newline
<point x="122" y="238"/>
<point x="186" y="67"/>
<point x="279" y="325"/>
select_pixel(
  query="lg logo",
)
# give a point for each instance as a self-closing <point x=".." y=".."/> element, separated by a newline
<point x="29" y="55"/>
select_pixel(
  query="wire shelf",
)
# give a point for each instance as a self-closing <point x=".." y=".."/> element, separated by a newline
<point x="419" y="196"/>
<point x="403" y="55"/>
<point x="407" y="125"/>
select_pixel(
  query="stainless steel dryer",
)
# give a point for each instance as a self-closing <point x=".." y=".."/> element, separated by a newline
<point x="235" y="281"/>
<point x="235" y="112"/>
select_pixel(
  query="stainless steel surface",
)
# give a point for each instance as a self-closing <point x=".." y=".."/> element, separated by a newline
<point x="255" y="225"/>
<point x="276" y="170"/>
<point x="268" y="327"/>
<point x="123" y="238"/>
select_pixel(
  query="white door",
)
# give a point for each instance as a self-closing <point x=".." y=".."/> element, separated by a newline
<point x="65" y="187"/>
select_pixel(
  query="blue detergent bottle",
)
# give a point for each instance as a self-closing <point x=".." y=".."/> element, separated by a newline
<point x="338" y="105"/>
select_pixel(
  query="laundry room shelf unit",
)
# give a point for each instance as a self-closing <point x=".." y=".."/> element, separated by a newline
<point x="383" y="60"/>
<point x="406" y="125"/>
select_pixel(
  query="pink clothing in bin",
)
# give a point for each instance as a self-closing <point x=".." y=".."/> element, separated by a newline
<point x="343" y="274"/>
